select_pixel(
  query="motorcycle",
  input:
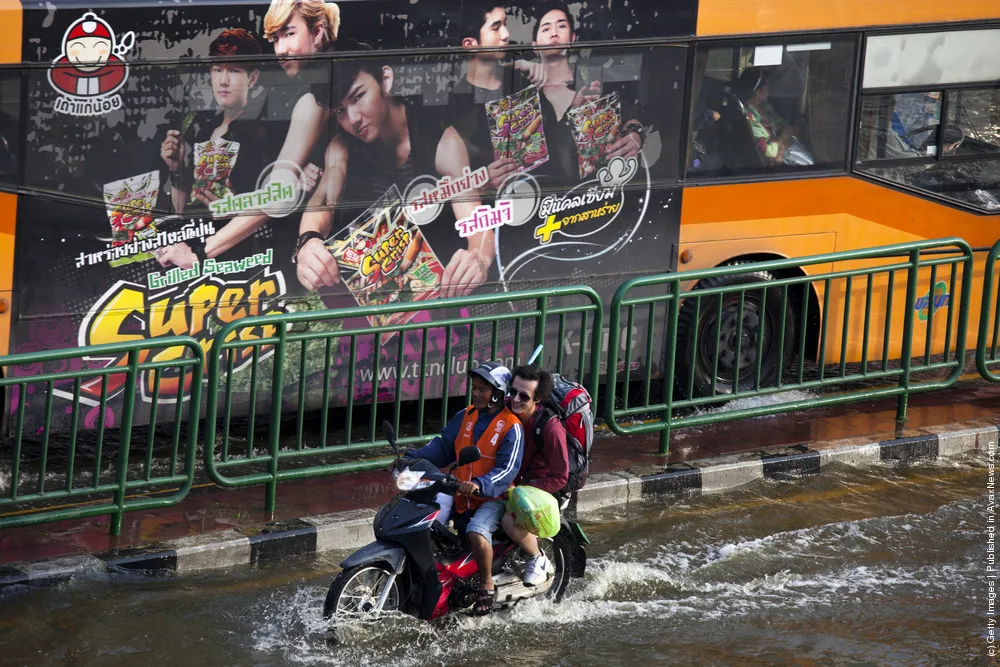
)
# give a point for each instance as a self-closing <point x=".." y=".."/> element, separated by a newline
<point x="418" y="566"/>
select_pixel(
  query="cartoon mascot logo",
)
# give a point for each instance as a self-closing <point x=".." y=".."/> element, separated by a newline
<point x="90" y="69"/>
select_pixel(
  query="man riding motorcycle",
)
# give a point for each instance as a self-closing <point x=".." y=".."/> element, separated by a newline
<point x="489" y="425"/>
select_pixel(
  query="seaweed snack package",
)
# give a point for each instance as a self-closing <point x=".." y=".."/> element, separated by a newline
<point x="213" y="163"/>
<point x="130" y="203"/>
<point x="384" y="258"/>
<point x="534" y="510"/>
<point x="516" y="129"/>
<point x="595" y="127"/>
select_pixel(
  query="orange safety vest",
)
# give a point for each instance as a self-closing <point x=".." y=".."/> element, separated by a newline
<point x="489" y="443"/>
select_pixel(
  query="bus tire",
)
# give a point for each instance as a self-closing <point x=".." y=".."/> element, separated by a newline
<point x="701" y="351"/>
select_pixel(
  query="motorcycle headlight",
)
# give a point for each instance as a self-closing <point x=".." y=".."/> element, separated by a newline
<point x="411" y="480"/>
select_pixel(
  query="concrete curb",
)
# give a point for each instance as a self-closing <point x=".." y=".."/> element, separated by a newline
<point x="350" y="530"/>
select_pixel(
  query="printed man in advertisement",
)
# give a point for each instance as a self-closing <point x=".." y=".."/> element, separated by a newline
<point x="237" y="134"/>
<point x="484" y="24"/>
<point x="386" y="142"/>
<point x="297" y="28"/>
<point x="554" y="34"/>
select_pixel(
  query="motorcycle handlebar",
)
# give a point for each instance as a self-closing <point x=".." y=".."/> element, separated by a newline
<point x="450" y="485"/>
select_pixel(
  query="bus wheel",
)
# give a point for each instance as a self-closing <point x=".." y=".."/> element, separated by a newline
<point x="696" y="345"/>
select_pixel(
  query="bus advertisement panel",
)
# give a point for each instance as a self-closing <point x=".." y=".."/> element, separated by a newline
<point x="189" y="165"/>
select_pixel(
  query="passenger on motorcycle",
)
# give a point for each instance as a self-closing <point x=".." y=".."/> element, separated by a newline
<point x="545" y="464"/>
<point x="492" y="427"/>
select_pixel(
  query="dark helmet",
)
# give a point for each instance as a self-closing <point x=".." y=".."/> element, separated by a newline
<point x="496" y="374"/>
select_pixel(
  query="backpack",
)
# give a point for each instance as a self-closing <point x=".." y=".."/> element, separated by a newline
<point x="573" y="406"/>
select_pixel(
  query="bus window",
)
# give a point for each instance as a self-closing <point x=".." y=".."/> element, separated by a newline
<point x="958" y="160"/>
<point x="977" y="113"/>
<point x="10" y="115"/>
<point x="899" y="126"/>
<point x="765" y="108"/>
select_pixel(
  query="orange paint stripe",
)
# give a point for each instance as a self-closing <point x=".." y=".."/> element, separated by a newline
<point x="878" y="215"/>
<point x="13" y="22"/>
<point x="812" y="197"/>
<point x="733" y="17"/>
<point x="12" y="18"/>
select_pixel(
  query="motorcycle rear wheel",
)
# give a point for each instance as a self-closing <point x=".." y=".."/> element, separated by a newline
<point x="356" y="591"/>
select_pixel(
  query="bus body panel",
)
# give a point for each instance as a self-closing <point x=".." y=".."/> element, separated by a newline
<point x="860" y="215"/>
<point x="736" y="17"/>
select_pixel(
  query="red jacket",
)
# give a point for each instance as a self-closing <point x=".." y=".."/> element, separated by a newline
<point x="545" y="464"/>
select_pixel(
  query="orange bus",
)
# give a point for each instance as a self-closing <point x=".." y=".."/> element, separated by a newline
<point x="168" y="169"/>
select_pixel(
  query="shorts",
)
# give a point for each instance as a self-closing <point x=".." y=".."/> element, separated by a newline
<point x="486" y="518"/>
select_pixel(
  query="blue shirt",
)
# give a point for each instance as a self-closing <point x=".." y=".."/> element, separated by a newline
<point x="441" y="452"/>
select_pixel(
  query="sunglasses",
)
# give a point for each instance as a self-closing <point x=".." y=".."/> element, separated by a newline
<point x="524" y="396"/>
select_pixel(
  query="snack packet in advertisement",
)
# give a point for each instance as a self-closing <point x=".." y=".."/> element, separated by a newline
<point x="384" y="258"/>
<point x="130" y="203"/>
<point x="516" y="129"/>
<point x="595" y="127"/>
<point x="213" y="162"/>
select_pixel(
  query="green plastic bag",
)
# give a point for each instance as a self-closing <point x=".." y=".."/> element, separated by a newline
<point x="534" y="510"/>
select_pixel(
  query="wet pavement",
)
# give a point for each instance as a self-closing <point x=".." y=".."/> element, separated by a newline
<point x="876" y="566"/>
<point x="209" y="508"/>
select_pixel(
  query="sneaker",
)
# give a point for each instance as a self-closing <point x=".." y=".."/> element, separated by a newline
<point x="535" y="570"/>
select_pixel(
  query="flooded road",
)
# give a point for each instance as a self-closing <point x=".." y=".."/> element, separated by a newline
<point x="883" y="566"/>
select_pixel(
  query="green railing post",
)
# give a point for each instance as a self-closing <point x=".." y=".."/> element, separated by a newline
<point x="906" y="351"/>
<point x="673" y="315"/>
<point x="274" y="429"/>
<point x="128" y="414"/>
<point x="986" y="316"/>
<point x="543" y="315"/>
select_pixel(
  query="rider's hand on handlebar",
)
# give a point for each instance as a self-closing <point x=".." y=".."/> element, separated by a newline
<point x="468" y="488"/>
<point x="399" y="464"/>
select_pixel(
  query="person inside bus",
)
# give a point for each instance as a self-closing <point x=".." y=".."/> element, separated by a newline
<point x="233" y="87"/>
<point x="915" y="117"/>
<point x="952" y="138"/>
<point x="484" y="24"/>
<point x="383" y="142"/>
<point x="774" y="138"/>
<point x="296" y="28"/>
<point x="553" y="34"/>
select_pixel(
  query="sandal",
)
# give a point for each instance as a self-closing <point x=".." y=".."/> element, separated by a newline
<point x="484" y="602"/>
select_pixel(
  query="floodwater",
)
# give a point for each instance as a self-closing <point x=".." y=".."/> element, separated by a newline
<point x="880" y="566"/>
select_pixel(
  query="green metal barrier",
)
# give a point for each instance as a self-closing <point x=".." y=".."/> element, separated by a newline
<point x="98" y="481"/>
<point x="713" y="303"/>
<point x="311" y="378"/>
<point x="987" y="347"/>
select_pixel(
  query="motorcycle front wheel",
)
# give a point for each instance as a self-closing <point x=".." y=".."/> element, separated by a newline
<point x="357" y="590"/>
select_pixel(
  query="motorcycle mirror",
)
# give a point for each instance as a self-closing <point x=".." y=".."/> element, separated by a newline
<point x="390" y="435"/>
<point x="469" y="454"/>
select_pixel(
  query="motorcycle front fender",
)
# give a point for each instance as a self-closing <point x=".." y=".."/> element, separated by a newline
<point x="379" y="551"/>
<point x="570" y="535"/>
